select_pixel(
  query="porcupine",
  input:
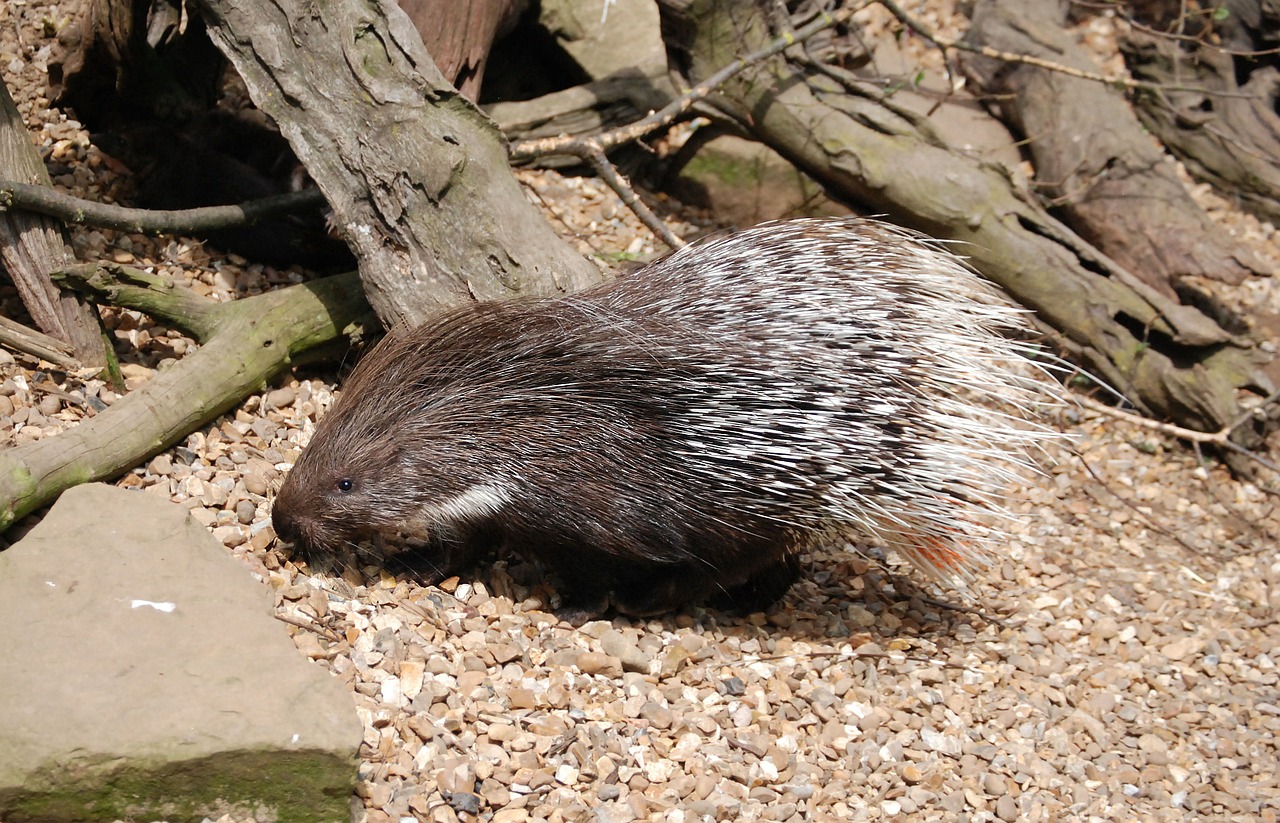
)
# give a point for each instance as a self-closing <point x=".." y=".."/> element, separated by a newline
<point x="688" y="428"/>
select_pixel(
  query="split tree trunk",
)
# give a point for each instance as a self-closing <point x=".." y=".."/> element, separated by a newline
<point x="416" y="175"/>
<point x="32" y="246"/>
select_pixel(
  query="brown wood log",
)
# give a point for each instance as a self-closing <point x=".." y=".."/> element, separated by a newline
<point x="1170" y="359"/>
<point x="1096" y="166"/>
<point x="32" y="246"/>
<point x="416" y="175"/>
<point x="1216" y="111"/>
<point x="460" y="35"/>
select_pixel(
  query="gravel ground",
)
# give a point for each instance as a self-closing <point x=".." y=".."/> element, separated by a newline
<point x="1121" y="666"/>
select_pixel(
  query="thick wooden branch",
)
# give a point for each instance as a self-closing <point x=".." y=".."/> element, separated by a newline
<point x="416" y="175"/>
<point x="1171" y="360"/>
<point x="31" y="246"/>
<point x="1095" y="163"/>
<point x="257" y="338"/>
<point x="159" y="297"/>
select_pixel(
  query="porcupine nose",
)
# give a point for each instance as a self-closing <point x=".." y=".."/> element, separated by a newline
<point x="286" y="528"/>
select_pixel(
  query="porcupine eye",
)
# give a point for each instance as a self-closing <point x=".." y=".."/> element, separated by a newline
<point x="345" y="485"/>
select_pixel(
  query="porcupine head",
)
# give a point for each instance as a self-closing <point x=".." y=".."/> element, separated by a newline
<point x="369" y="485"/>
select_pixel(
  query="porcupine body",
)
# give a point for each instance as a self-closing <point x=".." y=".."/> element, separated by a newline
<point x="689" y="427"/>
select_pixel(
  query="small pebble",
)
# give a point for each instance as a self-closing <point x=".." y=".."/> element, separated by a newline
<point x="597" y="663"/>
<point x="255" y="483"/>
<point x="245" y="511"/>
<point x="282" y="397"/>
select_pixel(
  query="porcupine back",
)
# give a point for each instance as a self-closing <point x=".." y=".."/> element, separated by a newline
<point x="705" y="415"/>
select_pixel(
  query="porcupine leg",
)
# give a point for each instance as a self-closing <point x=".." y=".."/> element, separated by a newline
<point x="659" y="588"/>
<point x="584" y="594"/>
<point x="763" y="588"/>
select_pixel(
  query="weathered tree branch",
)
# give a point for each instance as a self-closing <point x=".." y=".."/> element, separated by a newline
<point x="31" y="246"/>
<point x="74" y="211"/>
<point x="256" y="338"/>
<point x="20" y="338"/>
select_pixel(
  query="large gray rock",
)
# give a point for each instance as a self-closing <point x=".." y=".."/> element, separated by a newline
<point x="143" y="676"/>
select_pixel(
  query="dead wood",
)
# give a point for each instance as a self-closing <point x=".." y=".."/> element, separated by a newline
<point x="416" y="175"/>
<point x="460" y="35"/>
<point x="20" y="338"/>
<point x="74" y="211"/>
<point x="588" y="109"/>
<point x="1171" y="360"/>
<point x="135" y="59"/>
<point x="1096" y="167"/>
<point x="32" y="245"/>
<point x="1217" y="109"/>
<point x="245" y="344"/>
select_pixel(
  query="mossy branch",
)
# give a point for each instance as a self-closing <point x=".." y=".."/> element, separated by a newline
<point x="256" y="338"/>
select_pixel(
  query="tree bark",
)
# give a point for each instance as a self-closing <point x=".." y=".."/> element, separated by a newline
<point x="1095" y="164"/>
<point x="416" y="175"/>
<point x="460" y="35"/>
<point x="32" y="245"/>
<point x="1217" y="111"/>
<point x="1171" y="360"/>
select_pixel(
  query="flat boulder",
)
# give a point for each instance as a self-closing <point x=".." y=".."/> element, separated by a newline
<point x="145" y="677"/>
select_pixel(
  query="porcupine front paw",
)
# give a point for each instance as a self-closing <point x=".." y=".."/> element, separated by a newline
<point x="762" y="589"/>
<point x="576" y="610"/>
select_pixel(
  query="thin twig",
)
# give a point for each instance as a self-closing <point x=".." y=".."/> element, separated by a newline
<point x="74" y="211"/>
<point x="1220" y="438"/>
<point x="630" y="199"/>
<point x="945" y="43"/>
<point x="309" y="625"/>
<point x="1129" y="504"/>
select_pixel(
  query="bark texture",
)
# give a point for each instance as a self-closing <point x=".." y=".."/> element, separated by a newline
<point x="1216" y="110"/>
<point x="460" y="35"/>
<point x="416" y="175"/>
<point x="1096" y="166"/>
<point x="32" y="246"/>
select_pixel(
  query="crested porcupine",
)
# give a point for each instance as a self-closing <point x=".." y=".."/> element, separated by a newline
<point x="688" y="428"/>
